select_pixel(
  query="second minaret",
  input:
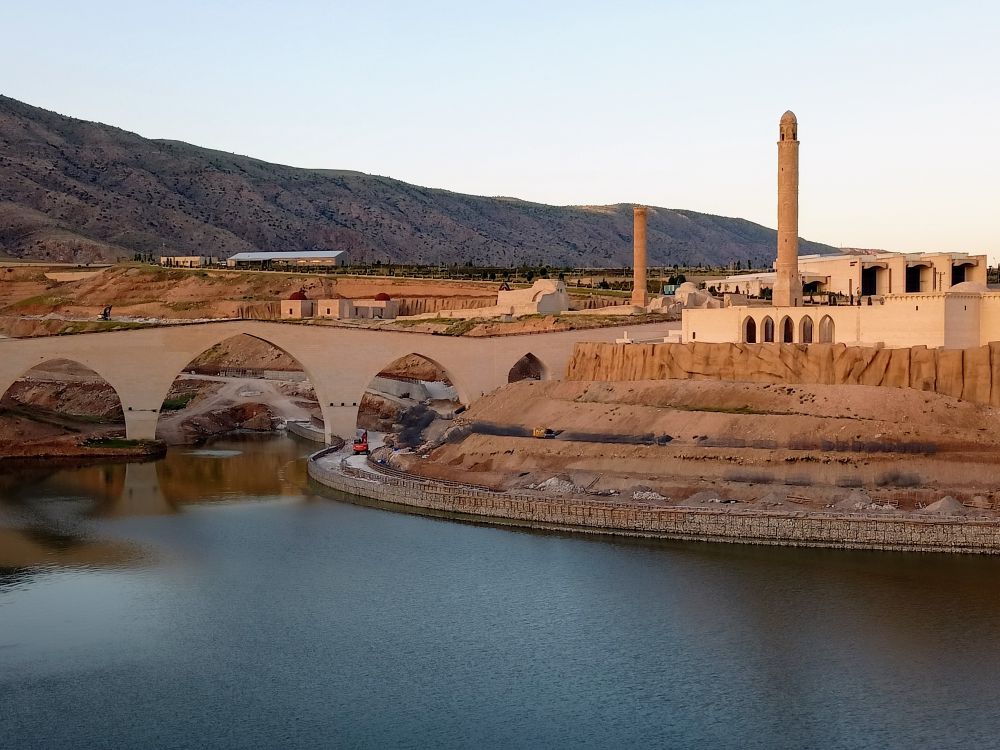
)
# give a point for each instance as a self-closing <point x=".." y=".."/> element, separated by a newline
<point x="787" y="282"/>
<point x="639" y="296"/>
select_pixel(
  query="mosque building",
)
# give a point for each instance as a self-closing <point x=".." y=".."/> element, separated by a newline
<point x="886" y="299"/>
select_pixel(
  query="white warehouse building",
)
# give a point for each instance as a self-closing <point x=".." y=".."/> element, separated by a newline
<point x="290" y="260"/>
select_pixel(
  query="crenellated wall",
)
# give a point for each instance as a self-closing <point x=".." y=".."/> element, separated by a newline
<point x="968" y="374"/>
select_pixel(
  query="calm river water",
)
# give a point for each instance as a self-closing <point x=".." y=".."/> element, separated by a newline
<point x="214" y="600"/>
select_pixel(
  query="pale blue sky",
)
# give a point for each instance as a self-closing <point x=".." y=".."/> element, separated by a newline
<point x="670" y="104"/>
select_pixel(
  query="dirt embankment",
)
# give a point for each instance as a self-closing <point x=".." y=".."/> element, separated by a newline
<point x="780" y="446"/>
<point x="153" y="292"/>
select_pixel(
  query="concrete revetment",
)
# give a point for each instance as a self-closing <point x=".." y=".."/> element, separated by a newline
<point x="843" y="530"/>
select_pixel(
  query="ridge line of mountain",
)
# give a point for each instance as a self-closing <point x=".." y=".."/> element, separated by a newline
<point x="74" y="190"/>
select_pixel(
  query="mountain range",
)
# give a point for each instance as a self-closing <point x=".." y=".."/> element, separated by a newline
<point x="72" y="190"/>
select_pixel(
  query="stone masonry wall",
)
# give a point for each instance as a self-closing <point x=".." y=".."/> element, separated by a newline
<point x="751" y="527"/>
<point x="968" y="374"/>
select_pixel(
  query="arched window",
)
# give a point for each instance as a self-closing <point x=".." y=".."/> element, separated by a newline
<point x="806" y="330"/>
<point x="768" y="326"/>
<point x="787" y="330"/>
<point x="826" y="330"/>
<point x="750" y="331"/>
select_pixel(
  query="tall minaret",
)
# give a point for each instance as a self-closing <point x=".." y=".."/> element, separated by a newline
<point x="639" y="256"/>
<point x="788" y="283"/>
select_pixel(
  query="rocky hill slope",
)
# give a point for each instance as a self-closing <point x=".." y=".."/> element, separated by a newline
<point x="83" y="191"/>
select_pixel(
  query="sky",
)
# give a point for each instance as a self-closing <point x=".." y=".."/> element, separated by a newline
<point x="672" y="104"/>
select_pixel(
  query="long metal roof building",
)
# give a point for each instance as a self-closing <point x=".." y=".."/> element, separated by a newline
<point x="289" y="257"/>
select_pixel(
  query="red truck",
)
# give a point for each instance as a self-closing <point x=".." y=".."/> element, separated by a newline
<point x="361" y="443"/>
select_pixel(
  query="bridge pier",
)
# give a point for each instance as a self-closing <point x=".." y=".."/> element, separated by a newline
<point x="340" y="421"/>
<point x="140" y="424"/>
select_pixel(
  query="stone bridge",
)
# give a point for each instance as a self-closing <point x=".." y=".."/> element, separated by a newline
<point x="340" y="362"/>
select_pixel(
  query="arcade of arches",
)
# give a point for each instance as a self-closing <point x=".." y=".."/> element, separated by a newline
<point x="142" y="365"/>
<point x="762" y="330"/>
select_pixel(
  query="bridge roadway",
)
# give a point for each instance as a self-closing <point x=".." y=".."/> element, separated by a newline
<point x="142" y="364"/>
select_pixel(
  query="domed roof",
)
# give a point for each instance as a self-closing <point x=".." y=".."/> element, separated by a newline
<point x="789" y="118"/>
<point x="970" y="287"/>
<point x="382" y="297"/>
<point x="301" y="294"/>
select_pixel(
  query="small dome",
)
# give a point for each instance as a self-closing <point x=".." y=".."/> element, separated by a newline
<point x="789" y="118"/>
<point x="382" y="297"/>
<point x="301" y="294"/>
<point x="970" y="287"/>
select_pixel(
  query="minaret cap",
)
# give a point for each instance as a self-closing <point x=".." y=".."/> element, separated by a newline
<point x="789" y="127"/>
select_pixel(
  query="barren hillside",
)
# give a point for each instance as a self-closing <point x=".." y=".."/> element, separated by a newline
<point x="76" y="190"/>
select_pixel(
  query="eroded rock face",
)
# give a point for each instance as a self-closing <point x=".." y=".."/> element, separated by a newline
<point x="255" y="417"/>
<point x="968" y="374"/>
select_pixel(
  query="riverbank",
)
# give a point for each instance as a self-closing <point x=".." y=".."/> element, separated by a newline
<point x="335" y="469"/>
<point x="72" y="449"/>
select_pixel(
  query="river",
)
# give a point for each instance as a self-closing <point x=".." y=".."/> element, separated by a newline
<point x="217" y="599"/>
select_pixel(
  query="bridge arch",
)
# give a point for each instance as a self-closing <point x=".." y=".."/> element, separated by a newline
<point x="51" y="375"/>
<point x="528" y="367"/>
<point x="408" y="394"/>
<point x="275" y="369"/>
<point x="465" y="395"/>
<point x="168" y="376"/>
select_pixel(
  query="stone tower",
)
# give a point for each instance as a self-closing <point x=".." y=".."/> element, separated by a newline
<point x="788" y="283"/>
<point x="639" y="256"/>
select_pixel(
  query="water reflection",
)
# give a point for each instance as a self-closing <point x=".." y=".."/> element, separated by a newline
<point x="313" y="624"/>
<point x="46" y="510"/>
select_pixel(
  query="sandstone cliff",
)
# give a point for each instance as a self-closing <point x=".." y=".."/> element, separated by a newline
<point x="968" y="374"/>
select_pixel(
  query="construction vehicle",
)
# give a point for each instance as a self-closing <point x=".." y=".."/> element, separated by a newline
<point x="361" y="443"/>
<point x="543" y="433"/>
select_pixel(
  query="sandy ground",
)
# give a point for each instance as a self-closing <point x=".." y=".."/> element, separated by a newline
<point x="666" y="442"/>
